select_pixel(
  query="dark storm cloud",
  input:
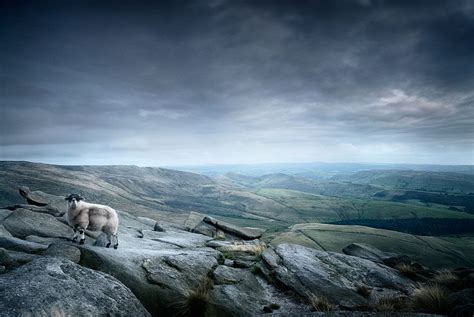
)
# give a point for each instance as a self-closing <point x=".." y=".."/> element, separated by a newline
<point x="215" y="81"/>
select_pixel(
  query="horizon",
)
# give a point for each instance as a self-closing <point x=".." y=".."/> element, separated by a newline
<point x="245" y="164"/>
<point x="184" y="83"/>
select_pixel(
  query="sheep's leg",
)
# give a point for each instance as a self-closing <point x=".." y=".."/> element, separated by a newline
<point x="109" y="238"/>
<point x="116" y="241"/>
<point x="74" y="237"/>
<point x="83" y="236"/>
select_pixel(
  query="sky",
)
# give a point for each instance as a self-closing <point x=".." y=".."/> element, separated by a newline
<point x="232" y="82"/>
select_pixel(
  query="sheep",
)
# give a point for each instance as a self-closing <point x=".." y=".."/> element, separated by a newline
<point x="82" y="215"/>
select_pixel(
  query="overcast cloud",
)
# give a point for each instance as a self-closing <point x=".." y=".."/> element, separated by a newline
<point x="198" y="82"/>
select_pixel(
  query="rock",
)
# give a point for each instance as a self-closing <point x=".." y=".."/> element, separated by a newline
<point x="237" y="292"/>
<point x="182" y="239"/>
<point x="271" y="258"/>
<point x="42" y="209"/>
<point x="332" y="275"/>
<point x="205" y="229"/>
<point x="4" y="232"/>
<point x="243" y="233"/>
<point x="193" y="220"/>
<point x="12" y="243"/>
<point x="158" y="227"/>
<point x="54" y="286"/>
<point x="5" y="259"/>
<point x="180" y="272"/>
<point x="39" y="198"/>
<point x="159" y="274"/>
<point x="212" y="227"/>
<point x="11" y="259"/>
<point x="463" y="297"/>
<point x="229" y="262"/>
<point x="43" y="240"/>
<point x="64" y="250"/>
<point x="147" y="221"/>
<point x="228" y="275"/>
<point x="127" y="220"/>
<point x="252" y="246"/>
<point x="368" y="252"/>
<point x="101" y="240"/>
<point x="240" y="263"/>
<point x="22" y="223"/>
<point x="4" y="213"/>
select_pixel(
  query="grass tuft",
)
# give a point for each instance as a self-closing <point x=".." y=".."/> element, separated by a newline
<point x="320" y="304"/>
<point x="197" y="301"/>
<point x="363" y="290"/>
<point x="406" y="270"/>
<point x="431" y="299"/>
<point x="390" y="304"/>
<point x="448" y="279"/>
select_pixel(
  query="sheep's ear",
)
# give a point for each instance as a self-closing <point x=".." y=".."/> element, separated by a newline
<point x="67" y="197"/>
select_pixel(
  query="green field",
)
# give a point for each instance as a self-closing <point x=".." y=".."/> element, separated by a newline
<point x="307" y="207"/>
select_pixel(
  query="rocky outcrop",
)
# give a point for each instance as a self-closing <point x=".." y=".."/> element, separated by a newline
<point x="366" y="251"/>
<point x="239" y="232"/>
<point x="212" y="227"/>
<point x="50" y="286"/>
<point x="42" y="209"/>
<point x="251" y="247"/>
<point x="15" y="244"/>
<point x="39" y="198"/>
<point x="335" y="276"/>
<point x="159" y="277"/>
<point x="22" y="223"/>
<point x="226" y="269"/>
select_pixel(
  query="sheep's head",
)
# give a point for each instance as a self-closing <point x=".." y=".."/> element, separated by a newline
<point x="73" y="199"/>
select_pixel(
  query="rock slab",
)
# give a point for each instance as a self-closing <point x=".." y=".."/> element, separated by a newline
<point x="51" y="286"/>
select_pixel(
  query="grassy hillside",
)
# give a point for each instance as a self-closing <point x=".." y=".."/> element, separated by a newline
<point x="162" y="193"/>
<point x="431" y="251"/>
<point x="413" y="180"/>
<point x="363" y="190"/>
<point x="307" y="207"/>
<point x="153" y="192"/>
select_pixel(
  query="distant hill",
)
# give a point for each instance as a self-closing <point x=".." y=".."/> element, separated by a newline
<point x="318" y="170"/>
<point x="149" y="191"/>
<point x="299" y="183"/>
<point x="415" y="180"/>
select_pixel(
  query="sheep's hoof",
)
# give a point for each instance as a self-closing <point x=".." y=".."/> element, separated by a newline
<point x="116" y="246"/>
<point x="82" y="241"/>
<point x="108" y="245"/>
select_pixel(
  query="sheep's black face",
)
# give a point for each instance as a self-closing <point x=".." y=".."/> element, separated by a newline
<point x="73" y="199"/>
